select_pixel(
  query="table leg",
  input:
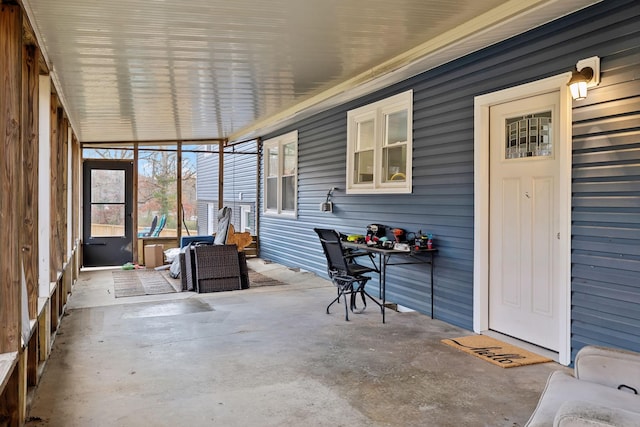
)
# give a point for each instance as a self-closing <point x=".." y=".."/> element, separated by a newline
<point x="431" y="267"/>
<point x="384" y="284"/>
<point x="380" y="276"/>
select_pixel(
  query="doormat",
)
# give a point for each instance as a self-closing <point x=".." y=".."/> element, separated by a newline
<point x="131" y="283"/>
<point x="495" y="351"/>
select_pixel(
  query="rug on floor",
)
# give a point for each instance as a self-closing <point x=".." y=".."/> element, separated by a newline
<point x="130" y="283"/>
<point x="256" y="280"/>
<point x="495" y="351"/>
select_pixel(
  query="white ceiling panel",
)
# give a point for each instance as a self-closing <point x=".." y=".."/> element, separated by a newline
<point x="155" y="70"/>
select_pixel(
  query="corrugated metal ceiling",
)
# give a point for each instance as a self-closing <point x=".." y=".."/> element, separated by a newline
<point x="154" y="70"/>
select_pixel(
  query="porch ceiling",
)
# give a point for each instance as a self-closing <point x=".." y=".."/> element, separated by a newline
<point x="155" y="70"/>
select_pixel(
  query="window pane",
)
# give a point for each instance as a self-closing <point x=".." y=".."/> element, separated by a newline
<point x="189" y="197"/>
<point x="272" y="193"/>
<point x="107" y="220"/>
<point x="107" y="153"/>
<point x="366" y="132"/>
<point x="396" y="127"/>
<point x="107" y="186"/>
<point x="395" y="163"/>
<point x="529" y="136"/>
<point x="157" y="190"/>
<point x="289" y="153"/>
<point x="272" y="162"/>
<point x="288" y="193"/>
<point x="364" y="167"/>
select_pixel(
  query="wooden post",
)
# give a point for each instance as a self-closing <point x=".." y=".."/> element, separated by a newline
<point x="179" y="191"/>
<point x="258" y="191"/>
<point x="10" y="165"/>
<point x="75" y="201"/>
<point x="63" y="223"/>
<point x="59" y="210"/>
<point x="10" y="207"/>
<point x="220" y="174"/>
<point x="136" y="249"/>
<point x="53" y="175"/>
<point x="30" y="140"/>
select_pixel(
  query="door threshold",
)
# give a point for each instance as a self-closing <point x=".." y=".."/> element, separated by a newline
<point x="553" y="355"/>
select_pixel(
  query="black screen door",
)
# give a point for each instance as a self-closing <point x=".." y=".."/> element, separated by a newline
<point x="107" y="213"/>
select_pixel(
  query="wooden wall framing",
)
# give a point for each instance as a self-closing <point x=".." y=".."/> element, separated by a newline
<point x="29" y="214"/>
<point x="10" y="291"/>
<point x="10" y="94"/>
<point x="26" y="335"/>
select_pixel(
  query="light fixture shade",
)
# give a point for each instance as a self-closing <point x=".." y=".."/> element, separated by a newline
<point x="578" y="90"/>
<point x="578" y="83"/>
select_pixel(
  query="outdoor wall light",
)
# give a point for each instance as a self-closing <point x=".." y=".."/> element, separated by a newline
<point x="586" y="74"/>
<point x="327" y="206"/>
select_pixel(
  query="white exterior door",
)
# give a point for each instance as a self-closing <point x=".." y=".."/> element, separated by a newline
<point x="524" y="222"/>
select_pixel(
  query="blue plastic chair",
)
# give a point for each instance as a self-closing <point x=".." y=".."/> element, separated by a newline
<point x="161" y="224"/>
<point x="147" y="231"/>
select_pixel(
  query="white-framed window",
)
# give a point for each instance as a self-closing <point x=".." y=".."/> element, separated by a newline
<point x="246" y="219"/>
<point x="281" y="175"/>
<point x="380" y="146"/>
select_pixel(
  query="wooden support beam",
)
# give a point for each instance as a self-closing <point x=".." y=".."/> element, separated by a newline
<point x="136" y="249"/>
<point x="179" y="191"/>
<point x="10" y="156"/>
<point x="10" y="393"/>
<point x="256" y="231"/>
<point x="11" y="44"/>
<point x="63" y="223"/>
<point x="75" y="202"/>
<point x="33" y="358"/>
<point x="59" y="235"/>
<point x="44" y="328"/>
<point x="221" y="174"/>
<point x="53" y="312"/>
<point x="22" y="385"/>
<point x="30" y="141"/>
<point x="53" y="179"/>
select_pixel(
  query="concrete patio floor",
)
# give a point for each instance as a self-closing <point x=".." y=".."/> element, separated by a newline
<point x="266" y="356"/>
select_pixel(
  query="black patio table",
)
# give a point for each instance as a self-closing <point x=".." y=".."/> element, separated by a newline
<point x="413" y="256"/>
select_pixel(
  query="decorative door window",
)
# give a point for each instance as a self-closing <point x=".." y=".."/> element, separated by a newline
<point x="529" y="136"/>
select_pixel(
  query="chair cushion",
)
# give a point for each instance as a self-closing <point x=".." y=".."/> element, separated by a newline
<point x="608" y="366"/>
<point x="575" y="413"/>
<point x="562" y="387"/>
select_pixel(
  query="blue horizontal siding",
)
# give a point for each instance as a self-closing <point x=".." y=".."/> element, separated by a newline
<point x="605" y="159"/>
<point x="606" y="203"/>
<point x="239" y="181"/>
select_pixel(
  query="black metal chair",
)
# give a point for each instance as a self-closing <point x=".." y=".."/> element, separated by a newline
<point x="344" y="272"/>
